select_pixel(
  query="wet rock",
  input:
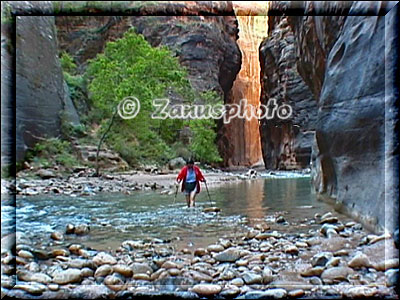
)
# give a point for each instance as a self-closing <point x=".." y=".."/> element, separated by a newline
<point x="280" y="219"/>
<point x="69" y="229"/>
<point x="56" y="235"/>
<point x="328" y="219"/>
<point x="315" y="281"/>
<point x="392" y="277"/>
<point x="386" y="264"/>
<point x="157" y="274"/>
<point x="114" y="282"/>
<point x="123" y="270"/>
<point x="86" y="272"/>
<point x="228" y="274"/>
<point x="74" y="248"/>
<point x="82" y="229"/>
<point x="360" y="260"/>
<point x="53" y="287"/>
<point x="25" y="254"/>
<point x="169" y="265"/>
<point x="321" y="259"/>
<point x="242" y="262"/>
<point x="80" y="263"/>
<point x="59" y="252"/>
<point x="329" y="230"/>
<point x="336" y="274"/>
<point x="316" y="271"/>
<point x="296" y="293"/>
<point x="21" y="261"/>
<point x="142" y="268"/>
<point x="206" y="290"/>
<point x="261" y="236"/>
<point x="333" y="262"/>
<point x="103" y="258"/>
<point x="53" y="270"/>
<point x="199" y="276"/>
<point x="342" y="252"/>
<point x="376" y="239"/>
<point x="33" y="267"/>
<point x="225" y="243"/>
<point x="301" y="244"/>
<point x="252" y="278"/>
<point x="186" y="251"/>
<point x="67" y="276"/>
<point x="93" y="291"/>
<point x="211" y="209"/>
<point x="237" y="281"/>
<point x="103" y="271"/>
<point x="267" y="294"/>
<point x="84" y="253"/>
<point x="291" y="249"/>
<point x="228" y="255"/>
<point x="46" y="174"/>
<point x="230" y="291"/>
<point x="200" y="252"/>
<point x="141" y="276"/>
<point x="30" y="276"/>
<point x="267" y="275"/>
<point x="174" y="272"/>
<point x="32" y="288"/>
<point x="360" y="292"/>
<point x="215" y="248"/>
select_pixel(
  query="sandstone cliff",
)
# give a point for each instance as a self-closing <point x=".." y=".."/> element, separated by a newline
<point x="342" y="60"/>
<point x="243" y="134"/>
<point x="202" y="35"/>
<point x="286" y="144"/>
<point x="39" y="84"/>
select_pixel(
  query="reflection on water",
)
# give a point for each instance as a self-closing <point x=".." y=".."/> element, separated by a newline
<point x="115" y="218"/>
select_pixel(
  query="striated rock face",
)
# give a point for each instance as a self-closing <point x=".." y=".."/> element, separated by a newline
<point x="39" y="83"/>
<point x="342" y="61"/>
<point x="286" y="144"/>
<point x="202" y="34"/>
<point x="252" y="29"/>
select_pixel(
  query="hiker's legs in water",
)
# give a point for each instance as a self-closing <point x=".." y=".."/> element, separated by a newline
<point x="192" y="198"/>
<point x="188" y="199"/>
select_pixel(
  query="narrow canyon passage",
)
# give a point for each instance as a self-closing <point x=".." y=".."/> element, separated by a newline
<point x="128" y="234"/>
<point x="253" y="27"/>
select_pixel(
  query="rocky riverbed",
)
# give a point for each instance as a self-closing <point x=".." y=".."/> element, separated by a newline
<point x="331" y="258"/>
<point x="83" y="183"/>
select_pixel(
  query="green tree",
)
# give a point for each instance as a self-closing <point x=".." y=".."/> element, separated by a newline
<point x="128" y="67"/>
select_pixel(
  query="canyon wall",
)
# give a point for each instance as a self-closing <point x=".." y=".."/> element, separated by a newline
<point x="343" y="61"/>
<point x="40" y="99"/>
<point x="252" y="22"/>
<point x="286" y="144"/>
<point x="202" y="35"/>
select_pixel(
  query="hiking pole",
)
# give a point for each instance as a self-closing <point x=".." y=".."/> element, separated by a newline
<point x="176" y="192"/>
<point x="207" y="191"/>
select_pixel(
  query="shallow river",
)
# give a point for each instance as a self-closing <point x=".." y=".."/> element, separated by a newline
<point x="146" y="215"/>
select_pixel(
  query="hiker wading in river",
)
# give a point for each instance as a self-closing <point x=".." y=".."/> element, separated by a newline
<point x="190" y="176"/>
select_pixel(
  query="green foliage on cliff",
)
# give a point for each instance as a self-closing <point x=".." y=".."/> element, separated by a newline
<point x="131" y="67"/>
<point x="51" y="152"/>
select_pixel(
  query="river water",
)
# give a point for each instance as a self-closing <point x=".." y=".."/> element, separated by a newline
<point x="114" y="218"/>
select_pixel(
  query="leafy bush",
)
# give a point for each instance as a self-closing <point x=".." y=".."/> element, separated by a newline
<point x="131" y="67"/>
<point x="51" y="151"/>
<point x="67" y="63"/>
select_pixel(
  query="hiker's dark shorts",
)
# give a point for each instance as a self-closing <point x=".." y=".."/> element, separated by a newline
<point x="189" y="187"/>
